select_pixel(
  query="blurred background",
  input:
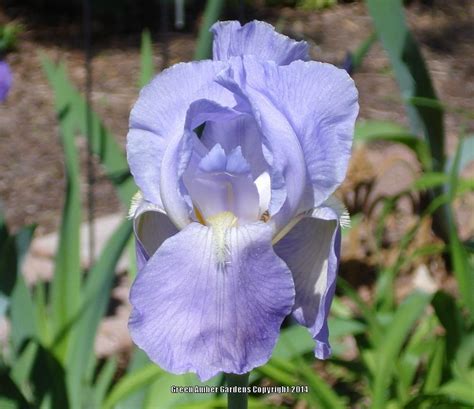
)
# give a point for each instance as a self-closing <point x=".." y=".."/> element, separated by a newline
<point x="402" y="322"/>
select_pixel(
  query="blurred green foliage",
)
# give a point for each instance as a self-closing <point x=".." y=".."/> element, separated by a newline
<point x="417" y="353"/>
<point x="9" y="36"/>
<point x="315" y="4"/>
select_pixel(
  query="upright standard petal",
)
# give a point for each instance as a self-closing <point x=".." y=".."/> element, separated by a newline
<point x="159" y="116"/>
<point x="281" y="146"/>
<point x="186" y="152"/>
<point x="318" y="102"/>
<point x="256" y="38"/>
<point x="311" y="251"/>
<point x="195" y="311"/>
<point x="240" y="131"/>
<point x="223" y="183"/>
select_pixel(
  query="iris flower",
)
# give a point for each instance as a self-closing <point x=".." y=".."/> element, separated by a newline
<point x="236" y="227"/>
<point x="5" y="80"/>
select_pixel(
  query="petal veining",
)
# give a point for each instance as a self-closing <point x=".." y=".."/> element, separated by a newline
<point x="223" y="183"/>
<point x="158" y="117"/>
<point x="192" y="313"/>
<point x="311" y="251"/>
<point x="255" y="38"/>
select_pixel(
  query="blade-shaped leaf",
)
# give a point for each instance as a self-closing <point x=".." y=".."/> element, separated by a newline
<point x="104" y="381"/>
<point x="411" y="73"/>
<point x="103" y="144"/>
<point x="147" y="70"/>
<point x="10" y="395"/>
<point x="130" y="383"/>
<point x="389" y="348"/>
<point x="463" y="265"/>
<point x="96" y="296"/>
<point x="212" y="13"/>
<point x="66" y="284"/>
<point x="12" y="283"/>
<point x="369" y="131"/>
<point x="459" y="390"/>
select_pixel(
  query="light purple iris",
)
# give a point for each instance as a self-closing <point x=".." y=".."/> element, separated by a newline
<point x="236" y="160"/>
<point x="5" y="80"/>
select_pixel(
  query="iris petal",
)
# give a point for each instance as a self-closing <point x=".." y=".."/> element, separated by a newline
<point x="287" y="161"/>
<point x="194" y="313"/>
<point x="179" y="157"/>
<point x="223" y="183"/>
<point x="159" y="115"/>
<point x="241" y="131"/>
<point x="319" y="103"/>
<point x="152" y="227"/>
<point x="255" y="38"/>
<point x="311" y="251"/>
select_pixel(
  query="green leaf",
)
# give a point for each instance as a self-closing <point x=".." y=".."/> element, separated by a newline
<point x="451" y="319"/>
<point x="459" y="390"/>
<point x="68" y="101"/>
<point x="10" y="395"/>
<point x="44" y="375"/>
<point x="284" y="372"/>
<point x="425" y="113"/>
<point x="8" y="36"/>
<point x="418" y="346"/>
<point x="464" y="360"/>
<point x="390" y="346"/>
<point x="296" y="341"/>
<point x="22" y="315"/>
<point x="370" y="131"/>
<point x="429" y="180"/>
<point x="273" y="370"/>
<point x="435" y="367"/>
<point x="130" y="383"/>
<point x="21" y="309"/>
<point x="212" y="13"/>
<point x="138" y="361"/>
<point x="466" y="155"/>
<point x="320" y="394"/>
<point x="411" y="74"/>
<point x="360" y="53"/>
<point x="96" y="296"/>
<point x="147" y="69"/>
<point x="12" y="252"/>
<point x="104" y="381"/>
<point x="66" y="284"/>
<point x="24" y="360"/>
<point x="379" y="130"/>
<point x="293" y="340"/>
<point x="375" y="329"/>
<point x="462" y="264"/>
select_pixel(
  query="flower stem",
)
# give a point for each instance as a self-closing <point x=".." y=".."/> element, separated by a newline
<point x="237" y="400"/>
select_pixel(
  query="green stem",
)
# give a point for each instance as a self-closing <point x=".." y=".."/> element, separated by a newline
<point x="237" y="400"/>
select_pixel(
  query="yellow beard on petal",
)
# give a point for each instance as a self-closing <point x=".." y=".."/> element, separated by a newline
<point x="220" y="223"/>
